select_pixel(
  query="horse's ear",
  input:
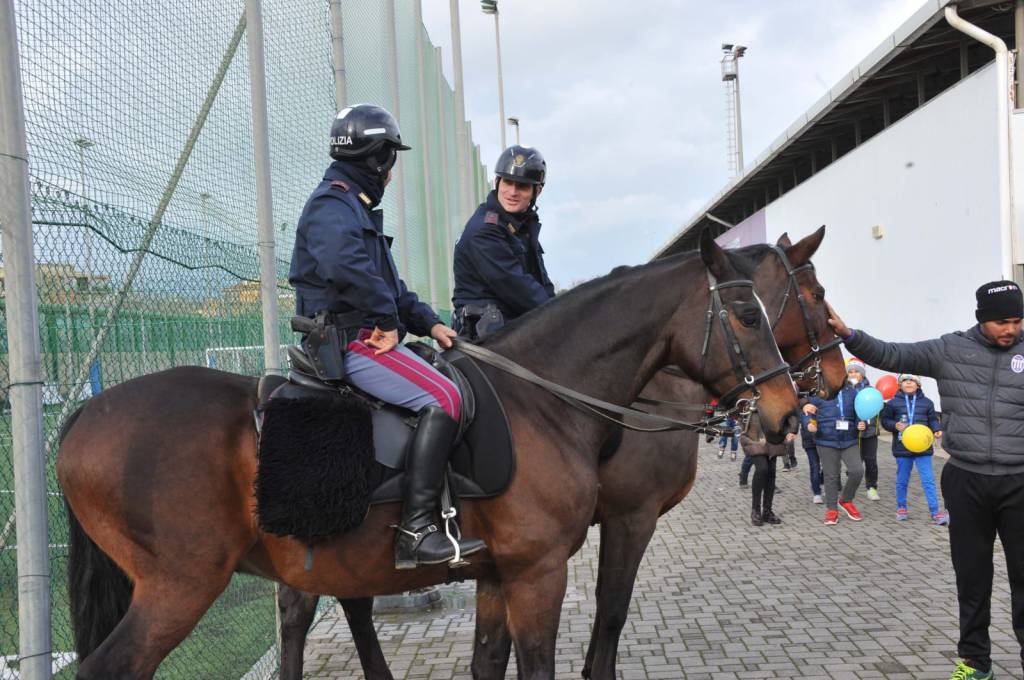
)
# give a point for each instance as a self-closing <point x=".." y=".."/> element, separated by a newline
<point x="784" y="241"/>
<point x="803" y="250"/>
<point x="713" y="256"/>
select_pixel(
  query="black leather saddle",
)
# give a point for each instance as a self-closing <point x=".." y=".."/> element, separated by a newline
<point x="483" y="461"/>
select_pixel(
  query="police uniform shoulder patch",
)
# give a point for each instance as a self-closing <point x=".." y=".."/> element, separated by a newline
<point x="338" y="184"/>
<point x="491" y="218"/>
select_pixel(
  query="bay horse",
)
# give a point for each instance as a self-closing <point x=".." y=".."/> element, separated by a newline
<point x="158" y="472"/>
<point x="648" y="475"/>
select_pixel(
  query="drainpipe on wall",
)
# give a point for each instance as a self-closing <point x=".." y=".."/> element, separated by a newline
<point x="1010" y="248"/>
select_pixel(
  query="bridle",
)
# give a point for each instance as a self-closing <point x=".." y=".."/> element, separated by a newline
<point x="814" y="356"/>
<point x="739" y="409"/>
<point x="729" y="401"/>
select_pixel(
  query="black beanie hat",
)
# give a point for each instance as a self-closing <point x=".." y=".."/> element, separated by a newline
<point x="999" y="300"/>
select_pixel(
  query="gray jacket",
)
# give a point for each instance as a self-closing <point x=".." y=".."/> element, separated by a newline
<point x="982" y="390"/>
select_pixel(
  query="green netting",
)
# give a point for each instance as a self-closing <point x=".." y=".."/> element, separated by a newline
<point x="145" y="227"/>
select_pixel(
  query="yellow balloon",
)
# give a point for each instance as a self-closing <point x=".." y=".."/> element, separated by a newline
<point x="918" y="438"/>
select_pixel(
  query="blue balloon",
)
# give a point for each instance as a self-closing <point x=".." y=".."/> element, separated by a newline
<point x="868" y="403"/>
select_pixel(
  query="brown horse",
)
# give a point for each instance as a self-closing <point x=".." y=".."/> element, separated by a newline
<point x="158" y="471"/>
<point x="647" y="476"/>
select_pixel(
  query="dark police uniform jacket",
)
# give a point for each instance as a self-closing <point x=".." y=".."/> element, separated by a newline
<point x="499" y="260"/>
<point x="342" y="260"/>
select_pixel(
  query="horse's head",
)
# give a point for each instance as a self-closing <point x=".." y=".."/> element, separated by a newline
<point x="795" y="300"/>
<point x="737" y="358"/>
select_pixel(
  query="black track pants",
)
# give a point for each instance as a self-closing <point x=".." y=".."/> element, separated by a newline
<point x="980" y="506"/>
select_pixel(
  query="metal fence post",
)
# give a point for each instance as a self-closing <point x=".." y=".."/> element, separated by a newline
<point x="465" y="176"/>
<point x="264" y="197"/>
<point x="429" y="181"/>
<point x="398" y="177"/>
<point x="442" y="126"/>
<point x="338" y="55"/>
<point x="34" y="637"/>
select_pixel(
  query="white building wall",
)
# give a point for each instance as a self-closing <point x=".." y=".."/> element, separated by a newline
<point x="930" y="181"/>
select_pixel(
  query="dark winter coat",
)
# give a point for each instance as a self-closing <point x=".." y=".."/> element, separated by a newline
<point x="499" y="260"/>
<point x="982" y="390"/>
<point x="829" y="413"/>
<point x="924" y="414"/>
<point x="342" y="260"/>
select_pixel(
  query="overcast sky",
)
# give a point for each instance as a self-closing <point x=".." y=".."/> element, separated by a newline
<point x="626" y="103"/>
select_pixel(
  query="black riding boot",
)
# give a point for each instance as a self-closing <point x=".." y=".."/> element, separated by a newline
<point x="420" y="541"/>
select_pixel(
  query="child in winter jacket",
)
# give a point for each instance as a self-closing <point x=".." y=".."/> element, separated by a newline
<point x="907" y="408"/>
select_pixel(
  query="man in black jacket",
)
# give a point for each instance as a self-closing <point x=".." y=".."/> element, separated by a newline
<point x="980" y="373"/>
<point x="499" y="262"/>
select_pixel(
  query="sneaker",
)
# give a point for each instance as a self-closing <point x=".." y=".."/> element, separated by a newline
<point x="770" y="517"/>
<point x="965" y="672"/>
<point x="743" y="482"/>
<point x="756" y="519"/>
<point x="732" y="456"/>
<point x="721" y="452"/>
<point x="941" y="518"/>
<point x="901" y="514"/>
<point x="851" y="510"/>
<point x="817" y="499"/>
<point x="873" y="494"/>
<point x="831" y="517"/>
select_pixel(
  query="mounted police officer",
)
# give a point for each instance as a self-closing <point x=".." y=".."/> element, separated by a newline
<point x="343" y="272"/>
<point x="499" y="263"/>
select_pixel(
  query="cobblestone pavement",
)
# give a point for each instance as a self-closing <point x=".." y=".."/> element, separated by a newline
<point x="718" y="598"/>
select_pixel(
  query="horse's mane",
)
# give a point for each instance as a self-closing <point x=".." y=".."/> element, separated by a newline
<point x="595" y="288"/>
<point x="744" y="260"/>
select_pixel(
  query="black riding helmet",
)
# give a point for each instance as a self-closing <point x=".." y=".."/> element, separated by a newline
<point x="367" y="132"/>
<point x="521" y="164"/>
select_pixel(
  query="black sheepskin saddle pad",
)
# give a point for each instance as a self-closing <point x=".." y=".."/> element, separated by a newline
<point x="316" y="468"/>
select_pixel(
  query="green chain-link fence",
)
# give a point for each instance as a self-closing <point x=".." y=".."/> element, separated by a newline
<point x="144" y="218"/>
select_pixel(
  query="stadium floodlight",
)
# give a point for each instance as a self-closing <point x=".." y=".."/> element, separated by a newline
<point x="726" y="47"/>
<point x="514" y="122"/>
<point x="491" y="7"/>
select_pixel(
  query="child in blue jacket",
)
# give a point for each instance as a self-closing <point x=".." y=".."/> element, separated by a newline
<point x="836" y="433"/>
<point x="907" y="408"/>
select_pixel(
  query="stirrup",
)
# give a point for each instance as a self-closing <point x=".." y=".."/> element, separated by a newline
<point x="456" y="562"/>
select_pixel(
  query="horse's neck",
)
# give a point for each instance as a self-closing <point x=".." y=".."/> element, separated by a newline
<point x="609" y="341"/>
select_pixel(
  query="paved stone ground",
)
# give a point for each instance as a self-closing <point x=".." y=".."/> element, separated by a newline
<point x="718" y="598"/>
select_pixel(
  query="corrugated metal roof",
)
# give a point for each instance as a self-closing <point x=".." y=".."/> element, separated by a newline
<point x="922" y="58"/>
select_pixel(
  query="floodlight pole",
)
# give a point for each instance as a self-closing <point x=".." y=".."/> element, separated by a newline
<point x="33" y="557"/>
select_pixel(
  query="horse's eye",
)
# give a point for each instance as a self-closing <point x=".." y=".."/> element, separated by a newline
<point x="749" y="314"/>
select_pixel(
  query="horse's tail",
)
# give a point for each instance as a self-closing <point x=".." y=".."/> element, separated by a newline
<point x="99" y="591"/>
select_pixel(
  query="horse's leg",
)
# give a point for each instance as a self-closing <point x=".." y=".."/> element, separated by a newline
<point x="161" y="615"/>
<point x="492" y="642"/>
<point x="533" y="600"/>
<point x="623" y="542"/>
<point x="359" y="614"/>
<point x="297" y="610"/>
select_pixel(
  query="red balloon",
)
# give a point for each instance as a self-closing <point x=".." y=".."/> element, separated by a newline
<point x="888" y="386"/>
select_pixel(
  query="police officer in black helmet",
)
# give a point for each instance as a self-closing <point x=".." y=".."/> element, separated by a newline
<point x="344" y="275"/>
<point x="499" y="262"/>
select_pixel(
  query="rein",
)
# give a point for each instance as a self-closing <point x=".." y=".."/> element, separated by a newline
<point x="742" y="409"/>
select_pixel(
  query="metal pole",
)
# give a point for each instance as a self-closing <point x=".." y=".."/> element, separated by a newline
<point x="465" y="173"/>
<point x="447" y="223"/>
<point x="739" y="123"/>
<point x="338" y="55"/>
<point x="501" y="84"/>
<point x="264" y="195"/>
<point x="82" y="143"/>
<point x="34" y="636"/>
<point x="1018" y="31"/>
<point x="429" y="180"/>
<point x="397" y="174"/>
<point x="151" y="229"/>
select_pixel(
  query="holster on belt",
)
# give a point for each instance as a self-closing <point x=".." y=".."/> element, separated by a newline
<point x="327" y="336"/>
